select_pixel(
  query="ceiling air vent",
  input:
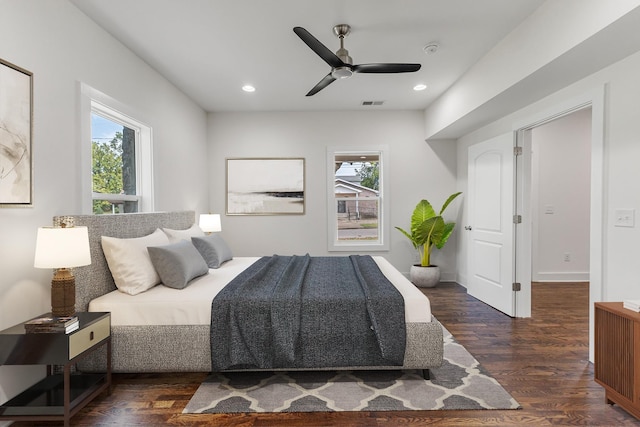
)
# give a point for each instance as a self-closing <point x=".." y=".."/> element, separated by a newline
<point x="372" y="103"/>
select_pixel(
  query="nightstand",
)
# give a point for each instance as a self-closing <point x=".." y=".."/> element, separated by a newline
<point x="58" y="396"/>
<point x="617" y="354"/>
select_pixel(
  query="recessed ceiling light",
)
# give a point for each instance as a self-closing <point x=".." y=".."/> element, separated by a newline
<point x="420" y="87"/>
<point x="248" y="88"/>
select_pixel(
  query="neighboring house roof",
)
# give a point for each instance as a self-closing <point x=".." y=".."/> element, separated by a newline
<point x="351" y="178"/>
<point x="343" y="189"/>
<point x="343" y="186"/>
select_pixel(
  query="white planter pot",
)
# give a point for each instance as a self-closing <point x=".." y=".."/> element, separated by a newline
<point x="424" y="277"/>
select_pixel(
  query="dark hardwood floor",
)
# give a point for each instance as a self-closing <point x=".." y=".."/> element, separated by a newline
<point x="541" y="361"/>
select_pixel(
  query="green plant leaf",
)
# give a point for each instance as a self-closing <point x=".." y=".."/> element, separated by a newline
<point x="437" y="230"/>
<point x="449" y="200"/>
<point x="446" y="233"/>
<point x="426" y="233"/>
<point x="409" y="236"/>
<point x="422" y="231"/>
<point x="422" y="212"/>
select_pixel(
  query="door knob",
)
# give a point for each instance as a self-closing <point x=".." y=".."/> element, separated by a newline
<point x="467" y="227"/>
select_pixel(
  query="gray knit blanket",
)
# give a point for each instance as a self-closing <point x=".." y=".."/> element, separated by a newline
<point x="308" y="312"/>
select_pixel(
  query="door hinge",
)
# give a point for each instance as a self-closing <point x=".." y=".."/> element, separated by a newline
<point x="517" y="219"/>
<point x="517" y="151"/>
<point x="516" y="287"/>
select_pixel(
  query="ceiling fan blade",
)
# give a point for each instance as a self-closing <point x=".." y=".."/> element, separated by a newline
<point x="326" y="81"/>
<point x="321" y="50"/>
<point x="386" y="68"/>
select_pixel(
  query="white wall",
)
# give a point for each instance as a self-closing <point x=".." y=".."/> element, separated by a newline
<point x="552" y="48"/>
<point x="62" y="47"/>
<point x="560" y="192"/>
<point x="621" y="173"/>
<point x="417" y="170"/>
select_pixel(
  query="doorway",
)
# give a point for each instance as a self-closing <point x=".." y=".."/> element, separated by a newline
<point x="560" y="198"/>
<point x="593" y="101"/>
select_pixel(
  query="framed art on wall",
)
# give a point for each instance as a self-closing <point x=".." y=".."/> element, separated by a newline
<point x="265" y="186"/>
<point x="16" y="109"/>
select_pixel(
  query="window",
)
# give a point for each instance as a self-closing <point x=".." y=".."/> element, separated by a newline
<point x="355" y="199"/>
<point x="113" y="165"/>
<point x="117" y="163"/>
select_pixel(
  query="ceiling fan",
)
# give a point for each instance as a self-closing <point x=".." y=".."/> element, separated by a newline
<point x="341" y="63"/>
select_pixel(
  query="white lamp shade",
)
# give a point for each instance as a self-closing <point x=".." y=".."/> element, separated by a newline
<point x="58" y="247"/>
<point x="210" y="223"/>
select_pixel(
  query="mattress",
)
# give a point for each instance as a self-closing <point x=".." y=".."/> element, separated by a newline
<point x="162" y="305"/>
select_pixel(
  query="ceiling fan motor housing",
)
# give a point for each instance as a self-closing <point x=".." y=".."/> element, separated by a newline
<point x="341" y="72"/>
<point x="343" y="54"/>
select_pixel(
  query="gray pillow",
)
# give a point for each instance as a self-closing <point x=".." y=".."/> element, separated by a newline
<point x="213" y="249"/>
<point x="177" y="264"/>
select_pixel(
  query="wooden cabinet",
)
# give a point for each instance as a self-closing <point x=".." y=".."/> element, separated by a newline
<point x="58" y="396"/>
<point x="617" y="355"/>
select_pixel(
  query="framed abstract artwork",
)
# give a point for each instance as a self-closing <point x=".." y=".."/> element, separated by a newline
<point x="16" y="112"/>
<point x="265" y="186"/>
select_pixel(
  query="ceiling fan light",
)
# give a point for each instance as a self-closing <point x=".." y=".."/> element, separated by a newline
<point x="341" y="73"/>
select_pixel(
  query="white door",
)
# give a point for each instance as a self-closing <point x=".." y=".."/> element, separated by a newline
<point x="491" y="228"/>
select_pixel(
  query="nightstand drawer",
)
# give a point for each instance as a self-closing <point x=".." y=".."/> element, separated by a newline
<point x="86" y="338"/>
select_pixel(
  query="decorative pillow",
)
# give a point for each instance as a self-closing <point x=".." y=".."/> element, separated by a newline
<point x="177" y="263"/>
<point x="177" y="235"/>
<point x="130" y="263"/>
<point x="213" y="249"/>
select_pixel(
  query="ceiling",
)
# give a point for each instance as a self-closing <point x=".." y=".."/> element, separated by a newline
<point x="209" y="49"/>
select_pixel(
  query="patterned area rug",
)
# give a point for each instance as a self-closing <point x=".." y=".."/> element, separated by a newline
<point x="460" y="383"/>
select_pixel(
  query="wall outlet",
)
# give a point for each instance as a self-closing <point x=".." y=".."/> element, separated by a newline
<point x="624" y="217"/>
<point x="567" y="257"/>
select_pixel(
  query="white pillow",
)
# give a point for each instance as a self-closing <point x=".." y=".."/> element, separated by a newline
<point x="130" y="263"/>
<point x="176" y="235"/>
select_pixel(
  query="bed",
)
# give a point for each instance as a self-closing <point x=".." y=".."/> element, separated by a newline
<point x="158" y="334"/>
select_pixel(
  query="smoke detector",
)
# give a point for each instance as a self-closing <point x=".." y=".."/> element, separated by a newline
<point x="431" y="48"/>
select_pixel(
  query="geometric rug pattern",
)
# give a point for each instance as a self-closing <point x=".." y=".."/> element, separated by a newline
<point x="460" y="383"/>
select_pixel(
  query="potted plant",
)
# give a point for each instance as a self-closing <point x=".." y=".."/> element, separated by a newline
<point x="428" y="229"/>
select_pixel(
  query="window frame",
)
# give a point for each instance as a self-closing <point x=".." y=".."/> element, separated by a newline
<point x="382" y="243"/>
<point x="95" y="102"/>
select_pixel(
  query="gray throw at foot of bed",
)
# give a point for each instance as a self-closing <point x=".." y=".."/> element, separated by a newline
<point x="308" y="312"/>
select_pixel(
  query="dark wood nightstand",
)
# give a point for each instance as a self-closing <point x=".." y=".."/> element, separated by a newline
<point x="58" y="396"/>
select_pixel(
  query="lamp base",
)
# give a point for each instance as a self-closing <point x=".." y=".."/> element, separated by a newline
<point x="63" y="293"/>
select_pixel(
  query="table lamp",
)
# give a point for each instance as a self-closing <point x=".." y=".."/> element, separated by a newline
<point x="62" y="248"/>
<point x="210" y="223"/>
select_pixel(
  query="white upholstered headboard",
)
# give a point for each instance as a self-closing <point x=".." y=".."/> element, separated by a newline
<point x="95" y="279"/>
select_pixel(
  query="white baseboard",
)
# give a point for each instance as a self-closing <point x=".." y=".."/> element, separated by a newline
<point x="569" y="276"/>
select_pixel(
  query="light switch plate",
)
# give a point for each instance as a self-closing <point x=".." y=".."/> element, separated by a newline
<point x="625" y="218"/>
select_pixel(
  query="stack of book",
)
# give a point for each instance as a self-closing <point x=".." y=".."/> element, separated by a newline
<point x="632" y="304"/>
<point x="52" y="325"/>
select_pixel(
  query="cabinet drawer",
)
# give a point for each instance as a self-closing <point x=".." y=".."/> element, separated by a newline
<point x="87" y="337"/>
